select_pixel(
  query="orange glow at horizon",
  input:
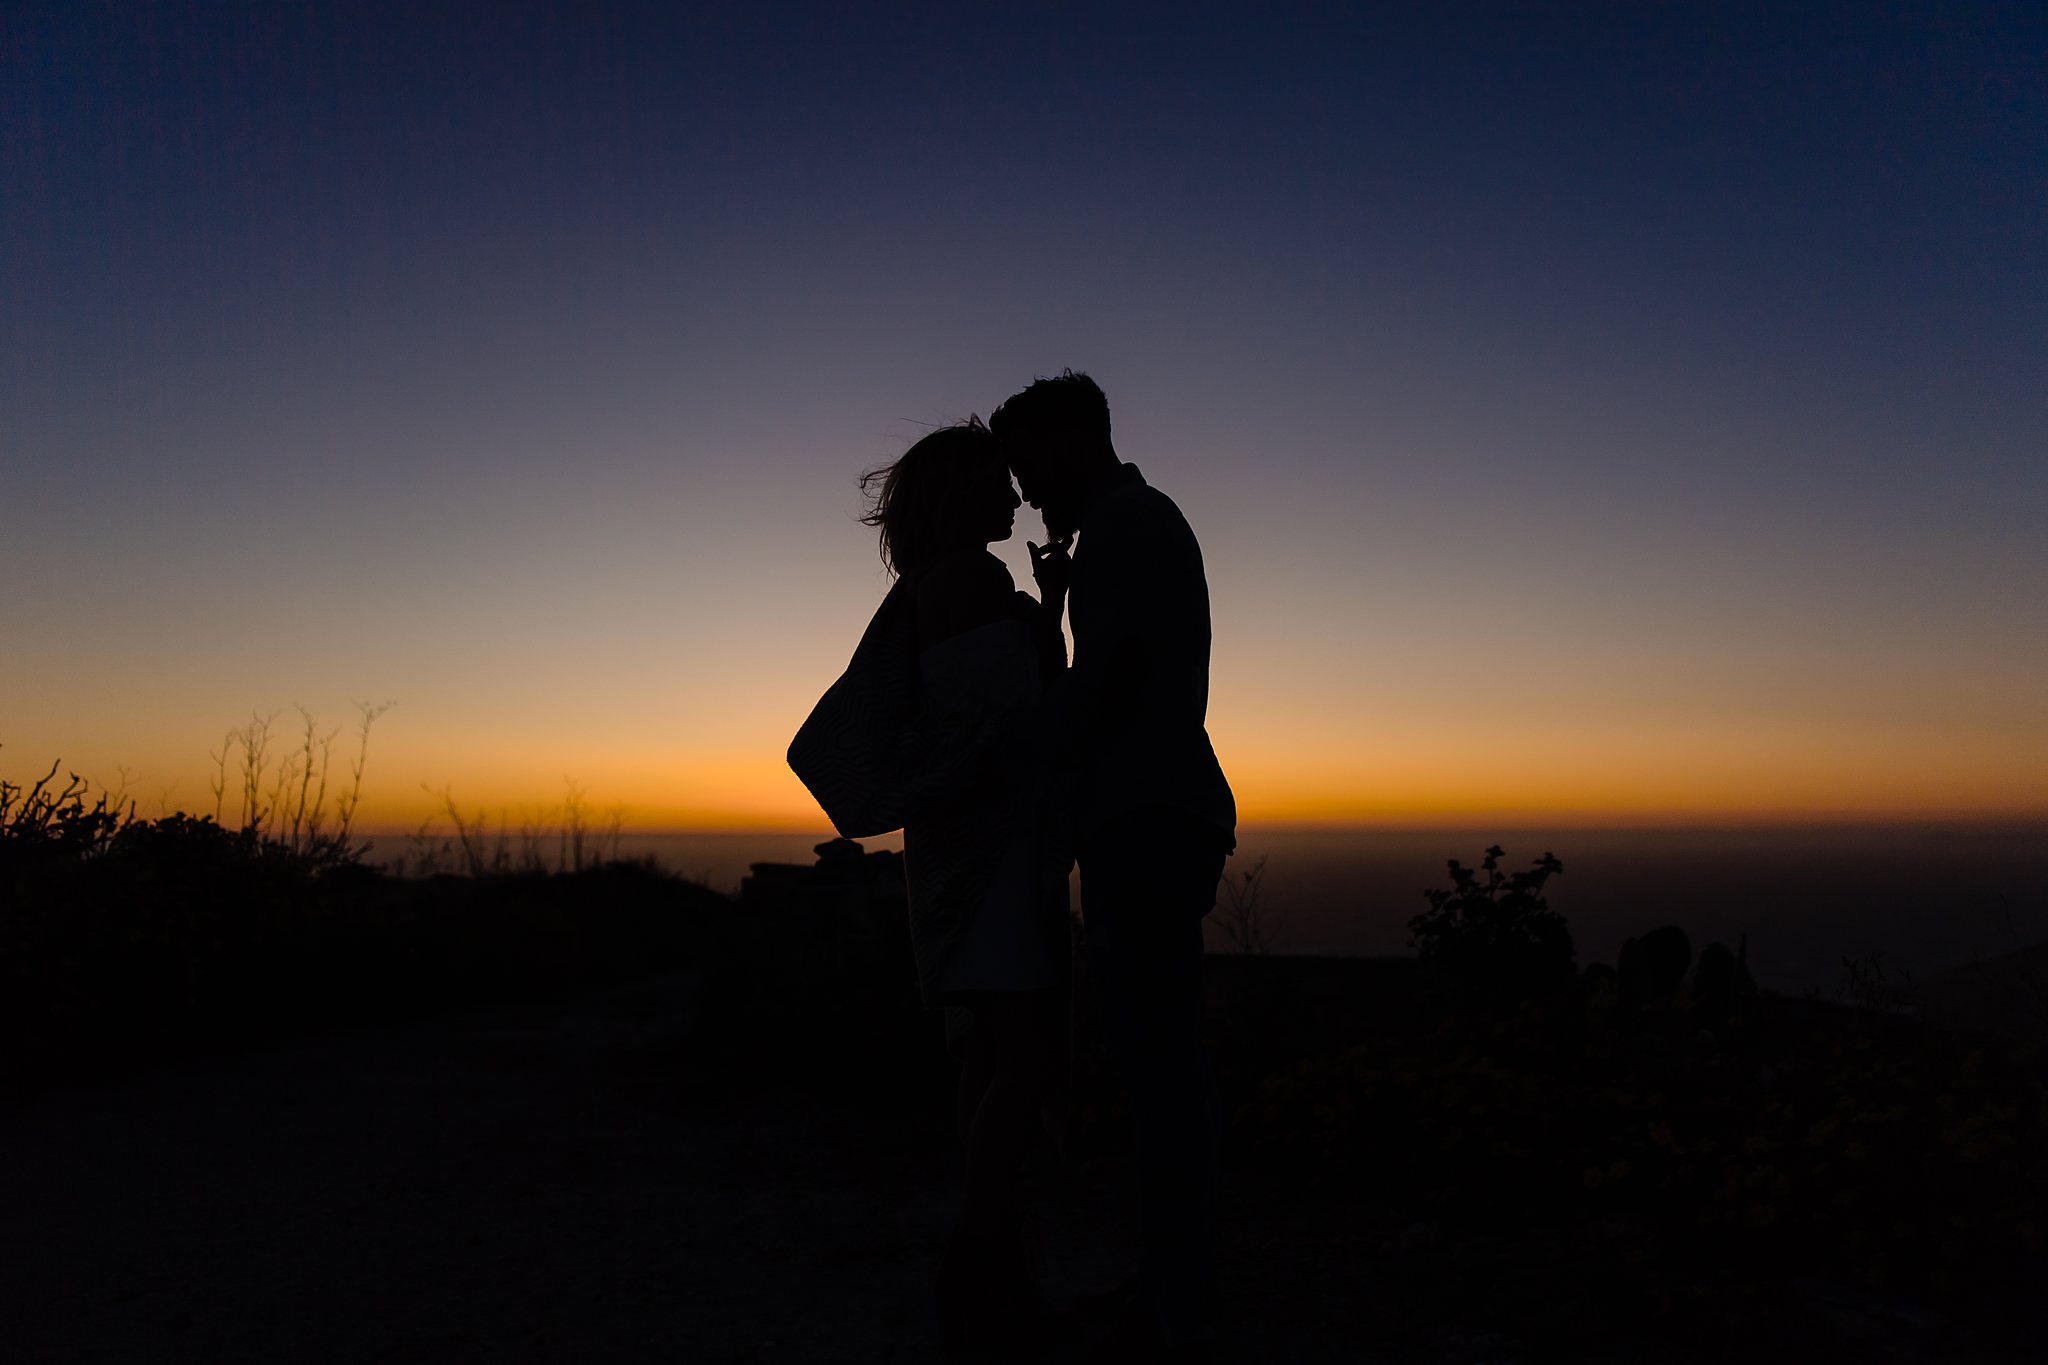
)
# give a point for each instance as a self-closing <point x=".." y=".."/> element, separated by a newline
<point x="1431" y="775"/>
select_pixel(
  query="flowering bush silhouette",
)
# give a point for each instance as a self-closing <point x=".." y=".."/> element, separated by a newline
<point x="1493" y="931"/>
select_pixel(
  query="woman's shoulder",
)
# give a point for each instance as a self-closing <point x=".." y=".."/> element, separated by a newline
<point x="962" y="591"/>
<point x="968" y="567"/>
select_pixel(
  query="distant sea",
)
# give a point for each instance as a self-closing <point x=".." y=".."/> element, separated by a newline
<point x="1925" y="896"/>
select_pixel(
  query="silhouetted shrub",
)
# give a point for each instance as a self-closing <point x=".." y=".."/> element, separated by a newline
<point x="1492" y="932"/>
<point x="45" y="825"/>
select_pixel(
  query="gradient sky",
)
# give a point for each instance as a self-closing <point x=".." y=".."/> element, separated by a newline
<point x="1631" y="414"/>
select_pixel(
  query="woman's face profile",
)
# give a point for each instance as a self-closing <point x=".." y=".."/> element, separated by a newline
<point x="991" y="503"/>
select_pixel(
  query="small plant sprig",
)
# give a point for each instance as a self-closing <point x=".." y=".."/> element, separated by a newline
<point x="582" y="838"/>
<point x="285" y="804"/>
<point x="1245" y="916"/>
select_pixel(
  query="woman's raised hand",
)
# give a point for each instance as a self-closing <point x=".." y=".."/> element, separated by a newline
<point x="1052" y="568"/>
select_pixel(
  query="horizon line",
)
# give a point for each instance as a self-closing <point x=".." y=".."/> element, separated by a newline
<point x="1672" y="823"/>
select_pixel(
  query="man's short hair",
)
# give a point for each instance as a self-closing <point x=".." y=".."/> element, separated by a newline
<point x="1068" y="404"/>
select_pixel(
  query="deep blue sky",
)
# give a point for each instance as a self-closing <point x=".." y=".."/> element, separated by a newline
<point x="515" y="360"/>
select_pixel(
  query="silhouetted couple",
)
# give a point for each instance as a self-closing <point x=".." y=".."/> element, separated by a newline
<point x="961" y="716"/>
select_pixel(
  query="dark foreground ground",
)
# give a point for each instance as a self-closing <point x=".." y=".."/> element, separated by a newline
<point x="265" y="1105"/>
<point x="585" y="1180"/>
<point x="536" y="1184"/>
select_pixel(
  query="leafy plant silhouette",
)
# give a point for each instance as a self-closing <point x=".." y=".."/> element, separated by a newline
<point x="1492" y="930"/>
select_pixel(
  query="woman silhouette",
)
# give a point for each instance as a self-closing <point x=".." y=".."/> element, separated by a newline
<point x="988" y="919"/>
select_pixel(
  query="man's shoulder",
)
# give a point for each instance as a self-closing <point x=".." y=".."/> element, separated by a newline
<point x="1156" y="503"/>
<point x="1145" y="521"/>
<point x="1137" y="503"/>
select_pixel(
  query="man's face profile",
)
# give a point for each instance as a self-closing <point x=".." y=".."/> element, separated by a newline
<point x="1040" y="481"/>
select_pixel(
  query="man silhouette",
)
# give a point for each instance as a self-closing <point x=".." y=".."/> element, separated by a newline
<point x="1153" y="816"/>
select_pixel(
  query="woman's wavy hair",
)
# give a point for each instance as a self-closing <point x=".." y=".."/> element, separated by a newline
<point x="911" y="499"/>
